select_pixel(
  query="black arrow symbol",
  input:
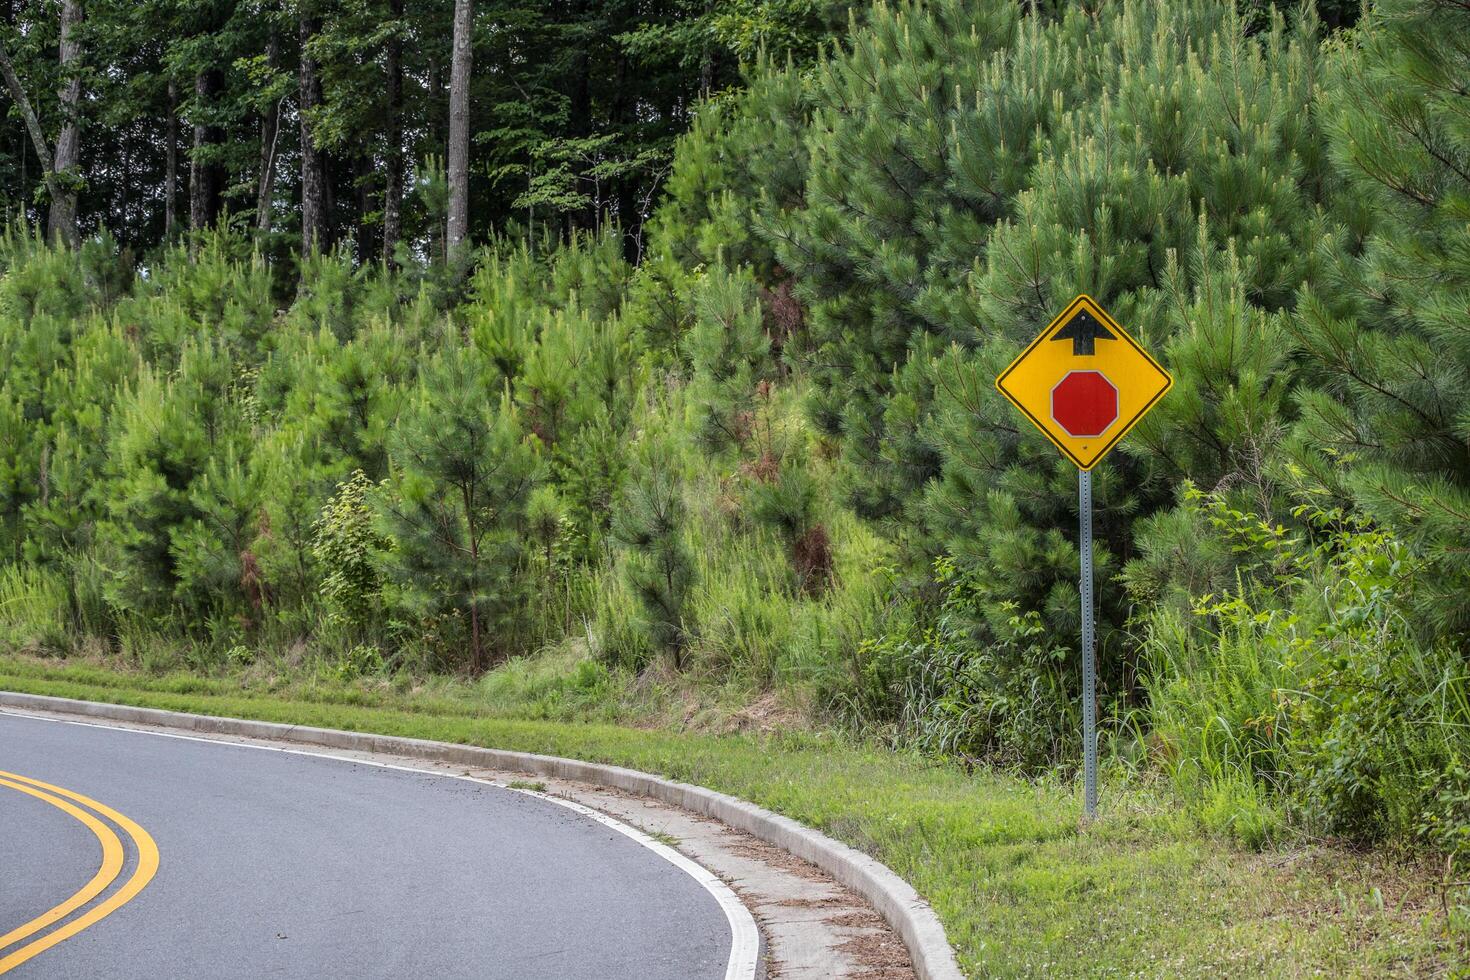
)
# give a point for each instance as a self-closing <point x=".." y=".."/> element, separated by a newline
<point x="1083" y="330"/>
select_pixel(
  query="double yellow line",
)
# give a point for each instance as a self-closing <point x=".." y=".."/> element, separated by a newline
<point x="112" y="864"/>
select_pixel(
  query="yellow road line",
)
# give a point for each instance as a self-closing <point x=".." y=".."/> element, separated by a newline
<point x="142" y="874"/>
<point x="112" y="862"/>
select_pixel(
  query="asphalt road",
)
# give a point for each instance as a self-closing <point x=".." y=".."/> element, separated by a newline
<point x="274" y="864"/>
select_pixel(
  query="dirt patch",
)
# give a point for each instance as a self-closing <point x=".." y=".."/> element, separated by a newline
<point x="882" y="958"/>
<point x="856" y="919"/>
<point x="832" y="902"/>
<point x="758" y="850"/>
<point x="765" y="715"/>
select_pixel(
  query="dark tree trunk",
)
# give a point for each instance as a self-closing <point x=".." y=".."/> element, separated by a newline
<point x="580" y="125"/>
<point x="206" y="175"/>
<point x="707" y="58"/>
<point x="329" y="193"/>
<point x="625" y="190"/>
<point x="270" y="131"/>
<point x="67" y="163"/>
<point x="393" y="175"/>
<point x="362" y="183"/>
<point x="459" y="126"/>
<point x="33" y="127"/>
<point x="124" y="220"/>
<point x="171" y="163"/>
<point x="314" y="230"/>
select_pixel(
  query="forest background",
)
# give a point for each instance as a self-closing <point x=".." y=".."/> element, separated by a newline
<point x="634" y="362"/>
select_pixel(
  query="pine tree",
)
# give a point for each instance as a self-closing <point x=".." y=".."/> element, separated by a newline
<point x="884" y="208"/>
<point x="175" y="489"/>
<point x="971" y="168"/>
<point x="460" y="477"/>
<point x="739" y="156"/>
<point x="657" y="568"/>
<point x="213" y="549"/>
<point x="730" y="353"/>
<point x="358" y="395"/>
<point x="1194" y="225"/>
<point x="1387" y="332"/>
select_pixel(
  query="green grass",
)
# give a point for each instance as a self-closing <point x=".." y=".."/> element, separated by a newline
<point x="535" y="786"/>
<point x="1022" y="888"/>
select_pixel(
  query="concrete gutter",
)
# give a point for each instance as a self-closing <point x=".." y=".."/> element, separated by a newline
<point x="892" y="897"/>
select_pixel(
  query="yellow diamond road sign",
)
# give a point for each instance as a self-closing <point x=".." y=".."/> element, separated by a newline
<point x="1084" y="382"/>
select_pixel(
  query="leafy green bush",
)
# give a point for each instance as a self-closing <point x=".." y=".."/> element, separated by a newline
<point x="347" y="548"/>
<point x="362" y="660"/>
<point x="1307" y="685"/>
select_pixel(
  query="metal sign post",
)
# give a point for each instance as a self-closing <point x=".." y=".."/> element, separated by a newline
<point x="1085" y="382"/>
<point x="1089" y="649"/>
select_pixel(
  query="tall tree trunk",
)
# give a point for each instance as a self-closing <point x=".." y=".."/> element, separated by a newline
<point x="33" y="125"/>
<point x="362" y="182"/>
<point x="626" y="186"/>
<point x="197" y="190"/>
<point x="63" y="220"/>
<point x="706" y="57"/>
<point x="206" y="176"/>
<point x="314" y="232"/>
<point x="393" y="178"/>
<point x="329" y="193"/>
<point x="579" y="123"/>
<point x="270" y="130"/>
<point x="459" y="126"/>
<point x="171" y="163"/>
<point x="125" y="187"/>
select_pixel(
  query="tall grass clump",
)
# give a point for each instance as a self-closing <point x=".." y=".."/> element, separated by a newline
<point x="754" y="604"/>
<point x="35" y="612"/>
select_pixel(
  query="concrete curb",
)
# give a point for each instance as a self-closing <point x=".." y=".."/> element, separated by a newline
<point x="893" y="898"/>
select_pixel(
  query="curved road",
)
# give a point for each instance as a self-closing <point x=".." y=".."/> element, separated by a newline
<point x="289" y="865"/>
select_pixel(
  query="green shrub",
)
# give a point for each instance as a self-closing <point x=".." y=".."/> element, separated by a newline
<point x="347" y="548"/>
<point x="362" y="660"/>
<point x="1308" y="686"/>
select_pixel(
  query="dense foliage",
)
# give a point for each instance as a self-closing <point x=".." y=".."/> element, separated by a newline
<point x="188" y="114"/>
<point x="769" y="450"/>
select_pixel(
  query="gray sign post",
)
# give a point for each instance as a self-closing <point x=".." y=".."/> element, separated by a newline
<point x="1089" y="655"/>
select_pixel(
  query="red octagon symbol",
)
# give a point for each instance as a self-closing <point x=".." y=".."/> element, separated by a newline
<point x="1084" y="403"/>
